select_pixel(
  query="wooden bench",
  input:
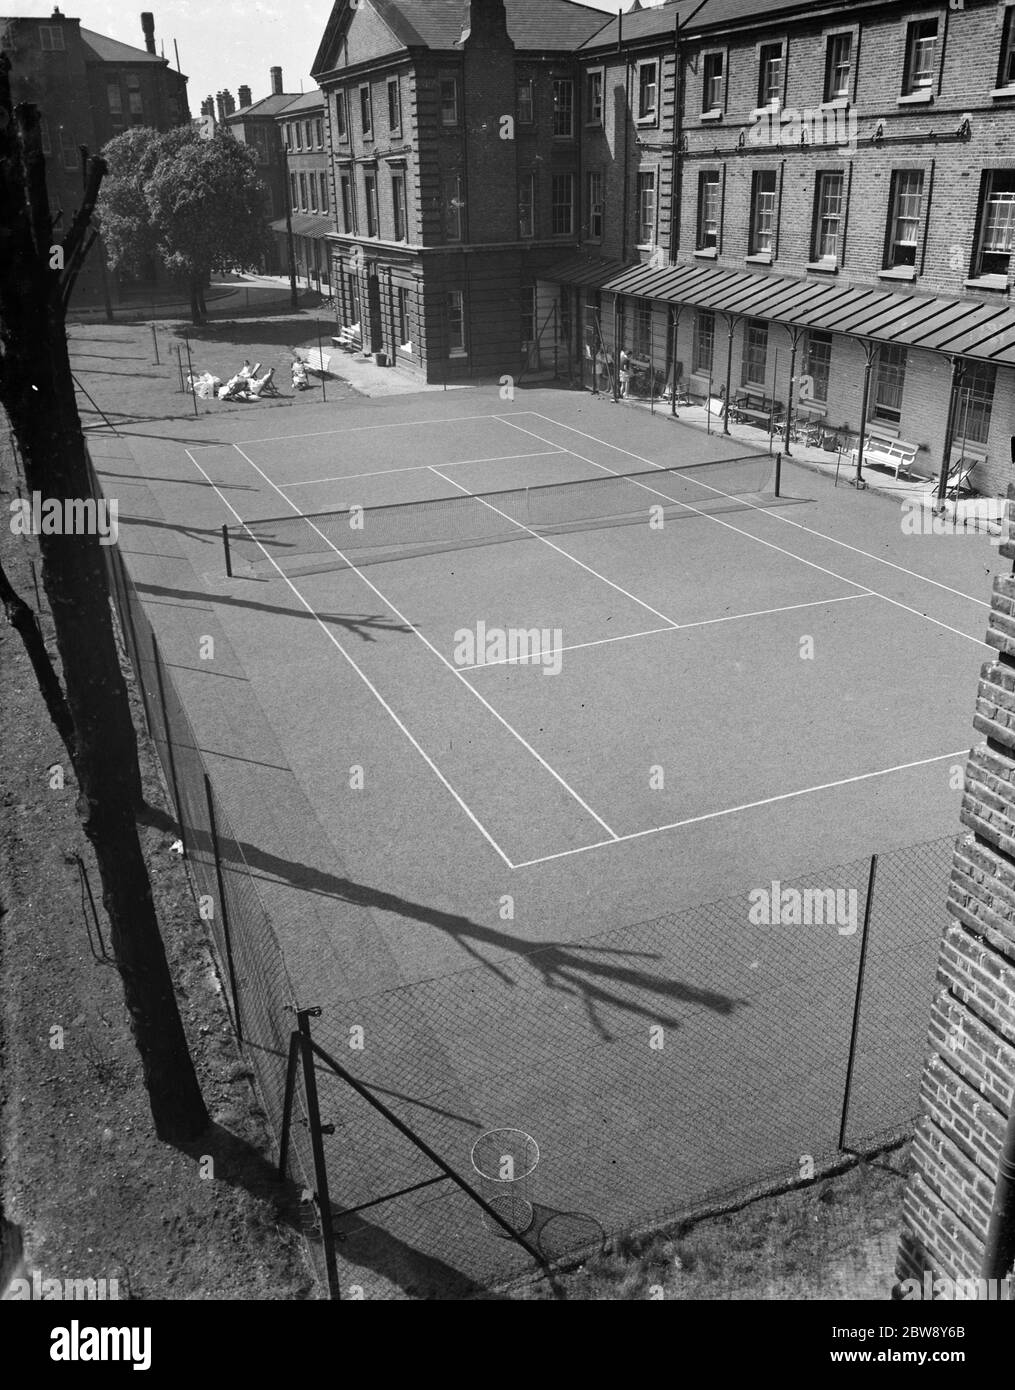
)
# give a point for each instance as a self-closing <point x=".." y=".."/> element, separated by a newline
<point x="754" y="407"/>
<point x="884" y="451"/>
<point x="349" y="338"/>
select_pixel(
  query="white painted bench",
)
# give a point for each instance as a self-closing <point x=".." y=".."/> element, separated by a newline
<point x="885" y="452"/>
<point x="349" y="338"/>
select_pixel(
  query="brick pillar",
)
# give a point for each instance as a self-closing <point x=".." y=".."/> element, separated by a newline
<point x="969" y="1079"/>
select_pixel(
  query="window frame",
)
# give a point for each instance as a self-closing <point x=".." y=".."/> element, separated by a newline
<point x="452" y="188"/>
<point x="879" y="411"/>
<point x="913" y="88"/>
<point x="594" y="235"/>
<point x="371" y="204"/>
<point x="399" y="206"/>
<point x="394" y="86"/>
<point x="713" y="109"/>
<point x="810" y="342"/>
<point x="988" y="179"/>
<point x="404" y="314"/>
<point x="819" y="257"/>
<point x="772" y="103"/>
<point x="113" y="88"/>
<point x="703" y="319"/>
<point x="319" y="132"/>
<point x="457" y="297"/>
<point x="648" y="116"/>
<point x="641" y="190"/>
<point x="557" y="205"/>
<point x="983" y="405"/>
<point x="304" y="205"/>
<point x="595" y="111"/>
<point x="564" y="109"/>
<point x="753" y="328"/>
<point x="347" y="199"/>
<point x="48" y="34"/>
<point x="1006" y="57"/>
<point x="449" y="79"/>
<point x="527" y="185"/>
<point x="892" y="241"/>
<point x="831" y="39"/>
<point x="755" y="250"/>
<point x="525" y="83"/>
<point x="705" y="180"/>
<point x="529" y="311"/>
<point x="366" y="111"/>
<point x="342" y="116"/>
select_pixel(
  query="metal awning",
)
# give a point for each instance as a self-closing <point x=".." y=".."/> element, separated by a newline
<point x="967" y="327"/>
<point x="589" y="271"/>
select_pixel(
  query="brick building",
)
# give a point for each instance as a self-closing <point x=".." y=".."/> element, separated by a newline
<point x="455" y="140"/>
<point x="90" y="88"/>
<point x="845" y="212"/>
<point x="304" y="139"/>
<point x="256" y="124"/>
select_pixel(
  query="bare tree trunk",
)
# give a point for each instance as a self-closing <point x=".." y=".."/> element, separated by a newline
<point x="34" y="359"/>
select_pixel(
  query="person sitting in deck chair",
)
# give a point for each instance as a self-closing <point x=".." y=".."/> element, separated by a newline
<point x="263" y="386"/>
<point x="234" y="389"/>
<point x="301" y="381"/>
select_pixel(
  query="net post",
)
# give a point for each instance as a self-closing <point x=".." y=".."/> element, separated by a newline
<point x="861" y="967"/>
<point x="225" y="547"/>
<point x="223" y="909"/>
<point x="160" y="683"/>
<point x="778" y="474"/>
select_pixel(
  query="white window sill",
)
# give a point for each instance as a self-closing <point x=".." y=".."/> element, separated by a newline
<point x="1000" y="92"/>
<point x="835" y="104"/>
<point x="921" y="98"/>
<point x="652" y="120"/>
<point x="707" y="253"/>
<point x="714" y="115"/>
<point x="458" y="352"/>
<point x="759" y="258"/>
<point x="773" y="108"/>
<point x="898" y="272"/>
<point x="824" y="267"/>
<point x="988" y="282"/>
<point x="594" y="125"/>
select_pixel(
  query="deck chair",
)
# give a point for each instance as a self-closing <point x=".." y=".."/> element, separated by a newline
<point x="958" y="478"/>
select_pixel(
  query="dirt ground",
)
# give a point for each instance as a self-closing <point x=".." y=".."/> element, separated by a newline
<point x="88" y="1192"/>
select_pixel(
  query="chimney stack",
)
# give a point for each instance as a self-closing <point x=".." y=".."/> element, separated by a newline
<point x="245" y="97"/>
<point x="224" y="105"/>
<point x="148" y="29"/>
<point x="276" y="82"/>
<point x="208" y="106"/>
<point x="487" y="20"/>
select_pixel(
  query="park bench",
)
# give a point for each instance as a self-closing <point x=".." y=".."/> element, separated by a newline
<point x="349" y="338"/>
<point x="753" y="407"/>
<point x="885" y="451"/>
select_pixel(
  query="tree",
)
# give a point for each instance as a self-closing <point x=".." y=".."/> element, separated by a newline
<point x="90" y="708"/>
<point x="197" y="204"/>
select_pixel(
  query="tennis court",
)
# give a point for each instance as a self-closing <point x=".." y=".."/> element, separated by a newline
<point x="494" y="677"/>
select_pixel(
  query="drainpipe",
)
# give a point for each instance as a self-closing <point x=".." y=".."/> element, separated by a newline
<point x="999" y="1250"/>
<point x="627" y="137"/>
<point x="870" y="349"/>
<point x="958" y="372"/>
<point x="677" y="162"/>
<point x="730" y="328"/>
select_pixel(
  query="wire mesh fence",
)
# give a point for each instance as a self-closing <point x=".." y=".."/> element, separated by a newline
<point x="658" y="1070"/>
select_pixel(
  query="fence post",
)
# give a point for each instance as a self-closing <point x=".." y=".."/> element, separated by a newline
<point x="287" y="1103"/>
<point x="155" y="341"/>
<point x="131" y="634"/>
<point x="858" y="1001"/>
<point x="778" y="475"/>
<point x="169" y="738"/>
<point x="320" y="1165"/>
<point x="222" y="904"/>
<point x="225" y="547"/>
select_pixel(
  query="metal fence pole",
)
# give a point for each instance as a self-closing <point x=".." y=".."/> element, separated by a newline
<point x="169" y="739"/>
<point x="868" y="905"/>
<point x="190" y="366"/>
<point x="303" y="1017"/>
<point x="225" y="547"/>
<point x="222" y="905"/>
<point x="155" y="341"/>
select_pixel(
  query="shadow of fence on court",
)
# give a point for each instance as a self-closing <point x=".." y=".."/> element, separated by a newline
<point x="580" y="1089"/>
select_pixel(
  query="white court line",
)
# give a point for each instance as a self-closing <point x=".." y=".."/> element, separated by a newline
<point x="778" y="516"/>
<point x="728" y="525"/>
<point x="388" y="425"/>
<point x="455" y="671"/>
<point x="362" y="674"/>
<point x="536" y="536"/>
<point x="652" y="632"/>
<point x="747" y="806"/>
<point x="422" y="467"/>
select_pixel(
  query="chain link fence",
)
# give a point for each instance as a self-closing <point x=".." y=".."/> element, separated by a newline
<point x="653" y="1072"/>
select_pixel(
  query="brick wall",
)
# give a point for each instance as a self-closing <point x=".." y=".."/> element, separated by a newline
<point x="968" y="1086"/>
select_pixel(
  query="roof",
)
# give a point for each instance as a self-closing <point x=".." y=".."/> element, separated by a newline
<point x="305" y="224"/>
<point x="587" y="270"/>
<point x="663" y="19"/>
<point x="965" y="327"/>
<point x="267" y="106"/>
<point x="534" y="25"/>
<point x="308" y="101"/>
<point x="112" y="51"/>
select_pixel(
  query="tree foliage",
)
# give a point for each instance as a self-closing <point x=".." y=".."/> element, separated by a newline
<point x="196" y="204"/>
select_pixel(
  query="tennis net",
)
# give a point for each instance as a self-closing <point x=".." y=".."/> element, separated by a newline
<point x="353" y="535"/>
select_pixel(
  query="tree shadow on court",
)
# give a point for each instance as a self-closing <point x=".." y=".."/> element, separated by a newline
<point x="584" y="970"/>
<point x="363" y="625"/>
